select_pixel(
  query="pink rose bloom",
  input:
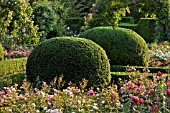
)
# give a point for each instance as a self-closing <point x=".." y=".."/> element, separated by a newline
<point x="122" y="88"/>
<point x="90" y="9"/>
<point x="1" y="100"/>
<point x="21" y="48"/>
<point x="134" y="2"/>
<point x="168" y="92"/>
<point x="139" y="83"/>
<point x="113" y="95"/>
<point x="93" y="5"/>
<point x="49" y="97"/>
<point x="2" y="92"/>
<point x="90" y="92"/>
<point x="23" y="30"/>
<point x="168" y="83"/>
<point x="138" y="89"/>
<point x="169" y="104"/>
<point x="135" y="99"/>
<point x="7" y="89"/>
<point x="141" y="100"/>
<point x="24" y="54"/>
<point x="28" y="51"/>
<point x="146" y="70"/>
<point x="131" y="87"/>
<point x="95" y="11"/>
<point x="159" y="73"/>
<point x="153" y="108"/>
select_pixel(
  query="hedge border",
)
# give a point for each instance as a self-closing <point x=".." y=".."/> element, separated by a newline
<point x="119" y="68"/>
<point x="116" y="76"/>
<point x="127" y="19"/>
<point x="11" y="66"/>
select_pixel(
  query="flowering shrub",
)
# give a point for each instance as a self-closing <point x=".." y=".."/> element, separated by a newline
<point x="18" y="52"/>
<point x="135" y="96"/>
<point x="142" y="94"/>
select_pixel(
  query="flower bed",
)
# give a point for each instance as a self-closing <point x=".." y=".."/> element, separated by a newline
<point x="136" y="95"/>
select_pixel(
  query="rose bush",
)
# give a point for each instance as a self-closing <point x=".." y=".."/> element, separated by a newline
<point x="17" y="52"/>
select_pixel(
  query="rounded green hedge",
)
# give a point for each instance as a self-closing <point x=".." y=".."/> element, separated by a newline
<point x="123" y="46"/>
<point x="75" y="58"/>
<point x="1" y="52"/>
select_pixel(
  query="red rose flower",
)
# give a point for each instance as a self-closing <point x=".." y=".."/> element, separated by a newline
<point x="139" y="83"/>
<point x="168" y="92"/>
<point x="131" y="87"/>
<point x="122" y="88"/>
<point x="168" y="83"/>
<point x="141" y="100"/>
<point x="90" y="92"/>
<point x="135" y="99"/>
<point x="153" y="108"/>
<point x="113" y="95"/>
<point x="159" y="73"/>
<point x="138" y="89"/>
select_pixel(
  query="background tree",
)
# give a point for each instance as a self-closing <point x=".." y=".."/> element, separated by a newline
<point x="106" y="13"/>
<point x="16" y="21"/>
<point x="77" y="8"/>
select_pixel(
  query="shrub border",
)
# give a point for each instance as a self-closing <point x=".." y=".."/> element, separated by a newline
<point x="11" y="66"/>
<point x="119" y="68"/>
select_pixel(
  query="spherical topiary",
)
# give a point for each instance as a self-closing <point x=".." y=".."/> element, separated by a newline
<point x="1" y="52"/>
<point x="75" y="58"/>
<point x="123" y="46"/>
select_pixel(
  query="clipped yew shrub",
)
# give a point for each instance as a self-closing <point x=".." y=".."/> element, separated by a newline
<point x="74" y="58"/>
<point x="123" y="46"/>
<point x="1" y="52"/>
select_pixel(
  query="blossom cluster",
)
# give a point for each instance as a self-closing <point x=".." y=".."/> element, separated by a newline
<point x="159" y="51"/>
<point x="18" y="52"/>
<point x="89" y="16"/>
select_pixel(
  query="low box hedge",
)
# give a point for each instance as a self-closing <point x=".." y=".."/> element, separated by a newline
<point x="11" y="66"/>
<point x="116" y="76"/>
<point x="134" y="27"/>
<point x="119" y="68"/>
<point x="129" y="20"/>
